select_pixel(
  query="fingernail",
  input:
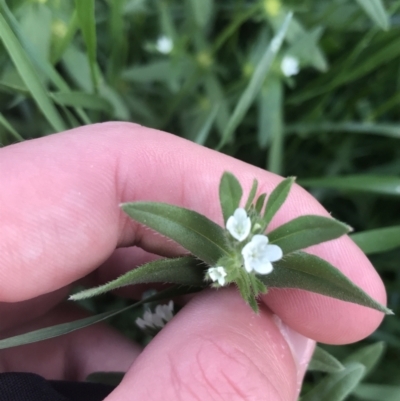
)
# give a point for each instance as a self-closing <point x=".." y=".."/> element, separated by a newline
<point x="302" y="348"/>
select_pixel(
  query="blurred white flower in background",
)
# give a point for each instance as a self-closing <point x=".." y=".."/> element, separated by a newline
<point x="290" y="66"/>
<point x="164" y="45"/>
<point x="158" y="318"/>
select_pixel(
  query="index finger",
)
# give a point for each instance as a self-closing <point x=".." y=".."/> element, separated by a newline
<point x="61" y="220"/>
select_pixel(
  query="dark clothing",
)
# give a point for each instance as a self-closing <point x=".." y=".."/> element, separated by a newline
<point x="32" y="387"/>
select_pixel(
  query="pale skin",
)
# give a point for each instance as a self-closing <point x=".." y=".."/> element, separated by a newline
<point x="60" y="222"/>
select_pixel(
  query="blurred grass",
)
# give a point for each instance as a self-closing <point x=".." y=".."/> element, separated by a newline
<point x="186" y="66"/>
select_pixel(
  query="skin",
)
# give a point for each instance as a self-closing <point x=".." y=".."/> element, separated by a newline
<point x="61" y="222"/>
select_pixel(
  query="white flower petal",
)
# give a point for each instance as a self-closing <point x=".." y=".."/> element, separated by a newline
<point x="264" y="268"/>
<point x="217" y="274"/>
<point x="239" y="225"/>
<point x="274" y="253"/>
<point x="258" y="255"/>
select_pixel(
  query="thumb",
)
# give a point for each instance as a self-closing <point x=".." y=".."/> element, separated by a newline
<point x="216" y="348"/>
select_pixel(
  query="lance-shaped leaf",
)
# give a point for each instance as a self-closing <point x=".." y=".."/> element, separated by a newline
<point x="186" y="270"/>
<point x="375" y="392"/>
<point x="323" y="361"/>
<point x="378" y="240"/>
<point x="260" y="203"/>
<point x="305" y="231"/>
<point x="336" y="386"/>
<point x="230" y="193"/>
<point x="252" y="194"/>
<point x="277" y="199"/>
<point x="368" y="356"/>
<point x="65" y="328"/>
<point x="311" y="273"/>
<point x="195" y="232"/>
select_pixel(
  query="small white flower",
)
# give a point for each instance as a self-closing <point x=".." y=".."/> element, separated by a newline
<point x="239" y="225"/>
<point x="290" y="66"/>
<point x="164" y="45"/>
<point x="258" y="255"/>
<point x="217" y="274"/>
<point x="158" y="319"/>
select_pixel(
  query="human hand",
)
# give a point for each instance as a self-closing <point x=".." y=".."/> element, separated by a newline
<point x="61" y="221"/>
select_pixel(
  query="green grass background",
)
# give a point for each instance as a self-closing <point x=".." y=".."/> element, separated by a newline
<point x="334" y="125"/>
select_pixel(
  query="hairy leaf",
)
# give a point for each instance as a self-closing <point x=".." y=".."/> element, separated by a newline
<point x="311" y="273"/>
<point x="185" y="270"/>
<point x="276" y="199"/>
<point x="195" y="232"/>
<point x="230" y="193"/>
<point x="305" y="231"/>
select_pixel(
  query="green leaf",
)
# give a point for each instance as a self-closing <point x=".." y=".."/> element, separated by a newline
<point x="311" y="273"/>
<point x="256" y="82"/>
<point x="30" y="76"/>
<point x="185" y="271"/>
<point x="274" y="117"/>
<point x="376" y="11"/>
<point x="204" y="131"/>
<point x="202" y="11"/>
<point x="82" y="99"/>
<point x="336" y="386"/>
<point x="382" y="129"/>
<point x="155" y="71"/>
<point x="195" y="232"/>
<point x="305" y="231"/>
<point x="230" y="194"/>
<point x="260" y="203"/>
<point x="65" y="328"/>
<point x="270" y="121"/>
<point x="384" y="185"/>
<point x="323" y="361"/>
<point x="252" y="194"/>
<point x="85" y="12"/>
<point x="378" y="240"/>
<point x="43" y="65"/>
<point x="276" y="199"/>
<point x="368" y="356"/>
<point x="377" y="392"/>
<point x="10" y="128"/>
<point x="62" y="43"/>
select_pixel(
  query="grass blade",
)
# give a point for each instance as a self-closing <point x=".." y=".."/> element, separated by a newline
<point x="256" y="82"/>
<point x="10" y="128"/>
<point x="376" y="11"/>
<point x="378" y="240"/>
<point x="82" y="99"/>
<point x="30" y="76"/>
<point x="85" y="12"/>
<point x="65" y="328"/>
<point x="381" y="185"/>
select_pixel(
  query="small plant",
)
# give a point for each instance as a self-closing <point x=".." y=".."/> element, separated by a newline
<point x="240" y="254"/>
